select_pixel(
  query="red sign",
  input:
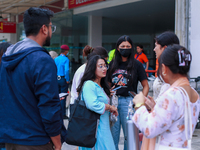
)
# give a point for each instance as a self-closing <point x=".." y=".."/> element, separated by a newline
<point x="77" y="3"/>
<point x="7" y="27"/>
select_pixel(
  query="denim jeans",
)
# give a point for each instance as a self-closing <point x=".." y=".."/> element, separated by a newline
<point x="123" y="103"/>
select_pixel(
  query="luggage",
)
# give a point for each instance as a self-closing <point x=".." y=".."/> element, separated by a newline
<point x="132" y="132"/>
<point x="132" y="136"/>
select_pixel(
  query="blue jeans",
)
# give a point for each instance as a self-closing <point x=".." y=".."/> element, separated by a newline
<point x="63" y="88"/>
<point x="123" y="103"/>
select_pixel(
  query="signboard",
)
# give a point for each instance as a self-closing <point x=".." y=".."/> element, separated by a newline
<point x="7" y="27"/>
<point x="77" y="3"/>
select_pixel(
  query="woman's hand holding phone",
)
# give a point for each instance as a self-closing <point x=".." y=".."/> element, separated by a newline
<point x="139" y="98"/>
<point x="111" y="91"/>
<point x="149" y="103"/>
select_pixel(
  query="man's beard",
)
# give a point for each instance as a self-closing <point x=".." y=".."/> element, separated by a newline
<point x="47" y="41"/>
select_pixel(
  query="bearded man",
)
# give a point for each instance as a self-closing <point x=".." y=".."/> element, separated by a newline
<point x="30" y="110"/>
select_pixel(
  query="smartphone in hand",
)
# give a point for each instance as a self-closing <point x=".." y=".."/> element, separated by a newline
<point x="116" y="88"/>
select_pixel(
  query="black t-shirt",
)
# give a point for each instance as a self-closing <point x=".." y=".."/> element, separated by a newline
<point x="123" y="77"/>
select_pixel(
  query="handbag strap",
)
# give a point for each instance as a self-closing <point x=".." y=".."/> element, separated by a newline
<point x="188" y="119"/>
<point x="79" y="95"/>
<point x="76" y="104"/>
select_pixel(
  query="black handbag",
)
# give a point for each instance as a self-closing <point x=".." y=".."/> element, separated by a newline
<point x="83" y="123"/>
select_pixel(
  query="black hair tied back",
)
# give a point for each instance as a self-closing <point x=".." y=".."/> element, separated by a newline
<point x="177" y="58"/>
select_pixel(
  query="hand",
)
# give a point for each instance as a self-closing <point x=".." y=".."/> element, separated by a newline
<point x="112" y="87"/>
<point x="61" y="98"/>
<point x="67" y="82"/>
<point x="139" y="98"/>
<point x="113" y="110"/>
<point x="111" y="91"/>
<point x="57" y="148"/>
<point x="149" y="102"/>
<point x="56" y="142"/>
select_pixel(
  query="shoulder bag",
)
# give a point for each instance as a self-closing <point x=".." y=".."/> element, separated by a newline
<point x="83" y="123"/>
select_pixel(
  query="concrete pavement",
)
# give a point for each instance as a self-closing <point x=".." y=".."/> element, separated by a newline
<point x="196" y="140"/>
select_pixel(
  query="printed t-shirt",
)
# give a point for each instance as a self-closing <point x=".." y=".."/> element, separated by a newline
<point x="122" y="75"/>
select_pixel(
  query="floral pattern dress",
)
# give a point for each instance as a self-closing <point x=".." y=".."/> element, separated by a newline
<point x="167" y="118"/>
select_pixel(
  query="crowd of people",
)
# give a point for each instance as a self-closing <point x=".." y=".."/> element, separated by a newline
<point x="32" y="112"/>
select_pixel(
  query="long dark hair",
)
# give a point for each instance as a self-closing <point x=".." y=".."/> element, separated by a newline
<point x="170" y="58"/>
<point x="118" y="59"/>
<point x="89" y="74"/>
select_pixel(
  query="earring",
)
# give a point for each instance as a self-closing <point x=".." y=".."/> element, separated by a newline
<point x="164" y="74"/>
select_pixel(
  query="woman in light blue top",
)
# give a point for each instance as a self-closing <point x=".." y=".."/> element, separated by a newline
<point x="95" y="94"/>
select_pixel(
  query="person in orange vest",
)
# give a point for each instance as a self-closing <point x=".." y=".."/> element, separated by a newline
<point x="141" y="57"/>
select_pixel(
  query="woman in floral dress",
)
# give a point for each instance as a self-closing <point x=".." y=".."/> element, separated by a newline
<point x="167" y="118"/>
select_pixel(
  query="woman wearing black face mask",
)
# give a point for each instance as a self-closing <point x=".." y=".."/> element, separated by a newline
<point x="125" y="71"/>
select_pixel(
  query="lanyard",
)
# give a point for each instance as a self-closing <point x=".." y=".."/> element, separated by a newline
<point x="138" y="55"/>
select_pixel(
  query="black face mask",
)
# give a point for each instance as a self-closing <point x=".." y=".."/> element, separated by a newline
<point x="125" y="52"/>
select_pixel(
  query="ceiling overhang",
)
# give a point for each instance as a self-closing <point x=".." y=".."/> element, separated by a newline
<point x="16" y="7"/>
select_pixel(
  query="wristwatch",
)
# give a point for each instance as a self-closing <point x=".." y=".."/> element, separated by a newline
<point x="138" y="105"/>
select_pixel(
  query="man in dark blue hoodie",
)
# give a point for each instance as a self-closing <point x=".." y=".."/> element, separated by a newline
<point x="30" y="110"/>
